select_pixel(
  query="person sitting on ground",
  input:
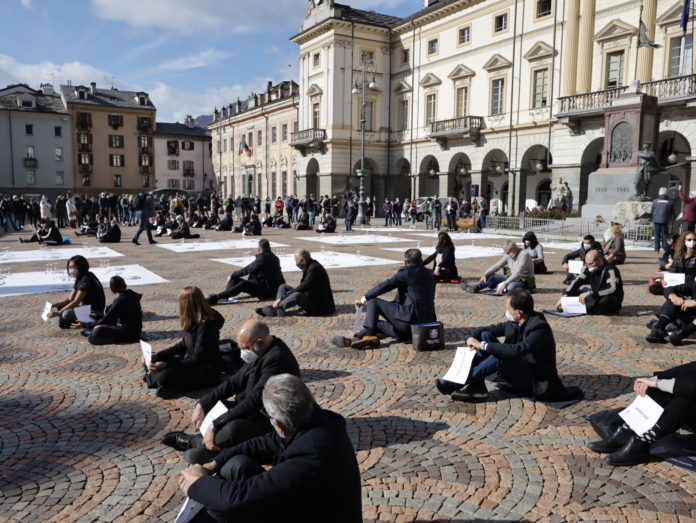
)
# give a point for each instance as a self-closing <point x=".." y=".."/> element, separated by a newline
<point x="313" y="295"/>
<point x="588" y="244"/>
<point x="167" y="226"/>
<point x="242" y="224"/>
<point x="679" y="309"/>
<point x="212" y="221"/>
<point x="604" y="293"/>
<point x="532" y="245"/>
<point x="614" y="249"/>
<point x="265" y="276"/>
<point x="226" y="223"/>
<point x="314" y="469"/>
<point x="45" y="234"/>
<point x="665" y="261"/>
<point x="112" y="234"/>
<point x="681" y="261"/>
<point x="194" y="362"/>
<point x="328" y="224"/>
<point x="414" y="303"/>
<point x="302" y="223"/>
<point x="199" y="219"/>
<point x="123" y="321"/>
<point x="675" y="391"/>
<point x="253" y="228"/>
<point x="520" y="265"/>
<point x="87" y="290"/>
<point x="182" y="231"/>
<point x="445" y="266"/>
<point x="526" y="359"/>
<point x="264" y="356"/>
<point x="89" y="228"/>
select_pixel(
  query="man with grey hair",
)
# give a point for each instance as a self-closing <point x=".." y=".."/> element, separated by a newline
<point x="314" y="478"/>
<point x="313" y="295"/>
<point x="662" y="212"/>
<point x="521" y="267"/>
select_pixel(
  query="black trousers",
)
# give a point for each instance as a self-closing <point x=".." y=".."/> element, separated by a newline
<point x="109" y="334"/>
<point x="604" y="305"/>
<point x="392" y="327"/>
<point x="238" y="285"/>
<point x="289" y="297"/>
<point x="671" y="311"/>
<point x="678" y="411"/>
<point x="183" y="379"/>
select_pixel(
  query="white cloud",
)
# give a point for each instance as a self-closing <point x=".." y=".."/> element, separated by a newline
<point x="26" y="4"/>
<point x="202" y="59"/>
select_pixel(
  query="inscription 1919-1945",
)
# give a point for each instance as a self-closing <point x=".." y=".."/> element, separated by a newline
<point x="615" y="189"/>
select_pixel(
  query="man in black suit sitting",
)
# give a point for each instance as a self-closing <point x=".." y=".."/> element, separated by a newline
<point x="313" y="295"/>
<point x="314" y="476"/>
<point x="264" y="279"/>
<point x="526" y="359"/>
<point x="414" y="303"/>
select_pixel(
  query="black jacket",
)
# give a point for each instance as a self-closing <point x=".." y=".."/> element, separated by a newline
<point x="314" y="479"/>
<point x="448" y="261"/>
<point x="604" y="282"/>
<point x="264" y="271"/>
<point x="532" y="341"/>
<point x="581" y="252"/>
<point x="125" y="311"/>
<point x="113" y="235"/>
<point x="686" y="266"/>
<point x="198" y="348"/>
<point x="247" y="384"/>
<point x="415" y="297"/>
<point x="685" y="382"/>
<point x="315" y="282"/>
<point x="685" y="290"/>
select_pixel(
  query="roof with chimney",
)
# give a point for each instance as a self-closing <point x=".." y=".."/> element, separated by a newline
<point x="105" y="97"/>
<point x="181" y="129"/>
<point x="44" y="100"/>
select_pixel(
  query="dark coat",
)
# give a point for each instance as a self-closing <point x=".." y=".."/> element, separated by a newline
<point x="315" y="282"/>
<point x="662" y="210"/>
<point x="689" y="212"/>
<point x="125" y="311"/>
<point x="532" y="341"/>
<point x="415" y="295"/>
<point x="581" y="252"/>
<point x="198" y="348"/>
<point x="685" y="382"/>
<point x="604" y="282"/>
<point x="448" y="261"/>
<point x="264" y="271"/>
<point x="247" y="384"/>
<point x="314" y="479"/>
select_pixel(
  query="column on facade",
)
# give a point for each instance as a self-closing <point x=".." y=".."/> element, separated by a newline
<point x="645" y="54"/>
<point x="585" y="47"/>
<point x="570" y="47"/>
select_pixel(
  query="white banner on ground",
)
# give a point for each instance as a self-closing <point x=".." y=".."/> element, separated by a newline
<point x="198" y="245"/>
<point x="467" y="236"/>
<point x="57" y="253"/>
<point x="461" y="252"/>
<point x="354" y="238"/>
<point x="329" y="259"/>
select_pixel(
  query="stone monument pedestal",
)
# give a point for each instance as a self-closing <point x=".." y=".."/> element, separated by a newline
<point x="632" y="212"/>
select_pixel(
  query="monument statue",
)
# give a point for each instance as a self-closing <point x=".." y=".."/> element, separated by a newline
<point x="560" y="194"/>
<point x="647" y="168"/>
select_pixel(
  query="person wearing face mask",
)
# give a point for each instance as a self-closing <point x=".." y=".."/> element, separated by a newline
<point x="314" y="477"/>
<point x="264" y="356"/>
<point x="123" y="321"/>
<point x="526" y="359"/>
<point x="194" y="362"/>
<point x="536" y="250"/>
<point x="679" y="309"/>
<point x="520" y="265"/>
<point x="614" y="249"/>
<point x="605" y="292"/>
<point x="445" y="266"/>
<point x="588" y="244"/>
<point x="87" y="290"/>
<point x="679" y="258"/>
<point x="662" y="212"/>
<point x="111" y="233"/>
<point x="313" y="295"/>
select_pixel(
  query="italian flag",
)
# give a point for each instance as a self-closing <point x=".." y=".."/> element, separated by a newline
<point x="243" y="147"/>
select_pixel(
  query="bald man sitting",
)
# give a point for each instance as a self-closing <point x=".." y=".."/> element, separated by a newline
<point x="313" y="295"/>
<point x="598" y="286"/>
<point x="264" y="356"/>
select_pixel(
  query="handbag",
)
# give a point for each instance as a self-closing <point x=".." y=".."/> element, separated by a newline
<point x="428" y="336"/>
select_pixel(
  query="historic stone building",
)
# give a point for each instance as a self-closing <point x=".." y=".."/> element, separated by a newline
<point x="492" y="97"/>
<point x="251" y="143"/>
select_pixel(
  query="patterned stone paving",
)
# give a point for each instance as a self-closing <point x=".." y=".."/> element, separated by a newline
<point x="79" y="433"/>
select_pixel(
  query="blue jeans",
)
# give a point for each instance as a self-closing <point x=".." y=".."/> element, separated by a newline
<point x="494" y="280"/>
<point x="517" y="371"/>
<point x="387" y="219"/>
<point x="144" y="226"/>
<point x="482" y="219"/>
<point x="349" y="224"/>
<point x="10" y="219"/>
<point x="661" y="231"/>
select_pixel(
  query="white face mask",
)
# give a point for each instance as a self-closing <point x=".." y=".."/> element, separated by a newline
<point x="527" y="243"/>
<point x="508" y="315"/>
<point x="72" y="273"/>
<point x="586" y="246"/>
<point x="593" y="269"/>
<point x="690" y="243"/>
<point x="248" y="356"/>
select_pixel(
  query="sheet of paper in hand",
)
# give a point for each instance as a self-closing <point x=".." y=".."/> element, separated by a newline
<point x="83" y="313"/>
<point x="356" y="321"/>
<point x="189" y="511"/>
<point x="461" y="366"/>
<point x="674" y="278"/>
<point x="575" y="266"/>
<point x="642" y="414"/>
<point x="572" y="305"/>
<point x="47" y="308"/>
<point x="147" y="352"/>
<point x="218" y="410"/>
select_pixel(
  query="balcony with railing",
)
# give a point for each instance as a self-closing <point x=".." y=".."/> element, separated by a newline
<point x="30" y="163"/>
<point x="145" y="169"/>
<point x="308" y="139"/>
<point x="85" y="148"/>
<point x="85" y="168"/>
<point x="463" y="127"/>
<point x="83" y="124"/>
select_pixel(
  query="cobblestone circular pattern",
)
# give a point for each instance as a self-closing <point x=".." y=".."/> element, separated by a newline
<point x="79" y="437"/>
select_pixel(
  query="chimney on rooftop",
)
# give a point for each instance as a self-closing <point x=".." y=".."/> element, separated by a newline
<point x="93" y="88"/>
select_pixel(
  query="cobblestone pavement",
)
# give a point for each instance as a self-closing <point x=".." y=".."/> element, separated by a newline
<point x="79" y="433"/>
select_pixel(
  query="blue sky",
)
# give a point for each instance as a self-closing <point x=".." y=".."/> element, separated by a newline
<point x="190" y="55"/>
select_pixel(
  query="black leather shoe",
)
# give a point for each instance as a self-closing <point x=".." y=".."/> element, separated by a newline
<point x="651" y="324"/>
<point x="212" y="299"/>
<point x="656" y="336"/>
<point x="267" y="311"/>
<point x="177" y="440"/>
<point x="136" y="242"/>
<point x="153" y="242"/>
<point x="674" y="337"/>
<point x="633" y="452"/>
<point x="446" y="387"/>
<point x="613" y="443"/>
<point x="606" y="422"/>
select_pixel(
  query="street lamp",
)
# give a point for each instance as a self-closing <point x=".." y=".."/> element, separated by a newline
<point x="366" y="68"/>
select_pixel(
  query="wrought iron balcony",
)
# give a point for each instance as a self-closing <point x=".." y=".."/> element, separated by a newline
<point x="308" y="139"/>
<point x="145" y="169"/>
<point x="85" y="168"/>
<point x="31" y="163"/>
<point x="463" y="127"/>
<point x="144" y="150"/>
<point x="83" y="124"/>
<point x="85" y="148"/>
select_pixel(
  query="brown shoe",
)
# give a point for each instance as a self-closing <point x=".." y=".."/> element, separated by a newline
<point x="341" y="341"/>
<point x="365" y="342"/>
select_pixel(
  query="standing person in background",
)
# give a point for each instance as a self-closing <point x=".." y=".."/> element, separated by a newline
<point x="688" y="219"/>
<point x="483" y="211"/>
<point x="145" y="209"/>
<point x="369" y="210"/>
<point x="413" y="213"/>
<point x="45" y="207"/>
<point x="387" y="208"/>
<point x="614" y="250"/>
<point x="437" y="212"/>
<point x="397" y="209"/>
<point x="311" y="208"/>
<point x="452" y="209"/>
<point x="662" y="212"/>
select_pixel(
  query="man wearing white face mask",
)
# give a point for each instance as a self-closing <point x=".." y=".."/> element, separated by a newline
<point x="588" y="244"/>
<point x="264" y="356"/>
<point x="521" y="272"/>
<point x="605" y="292"/>
<point x="315" y="476"/>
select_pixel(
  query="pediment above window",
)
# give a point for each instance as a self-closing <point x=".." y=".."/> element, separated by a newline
<point x="314" y="90"/>
<point x="614" y="30"/>
<point x="496" y="62"/>
<point x="461" y="71"/>
<point x="539" y="51"/>
<point x="402" y="87"/>
<point x="430" y="80"/>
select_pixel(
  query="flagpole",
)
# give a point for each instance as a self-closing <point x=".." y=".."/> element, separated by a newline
<point x="640" y="20"/>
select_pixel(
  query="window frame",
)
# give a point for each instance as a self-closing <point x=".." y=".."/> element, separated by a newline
<point x="58" y="131"/>
<point x="58" y="157"/>
<point x="406" y="56"/>
<point x="28" y="129"/>
<point x="428" y="120"/>
<point x="118" y="180"/>
<point x="502" y="95"/>
<point x="457" y="89"/>
<point x="533" y="93"/>
<point x="316" y="60"/>
<point x="459" y="35"/>
<point x="497" y="15"/>
<point x="436" y="40"/>
<point x="668" y="54"/>
<point x="537" y="16"/>
<point x="605" y="67"/>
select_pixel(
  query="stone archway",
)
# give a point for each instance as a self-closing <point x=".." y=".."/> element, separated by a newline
<point x="459" y="177"/>
<point x="535" y="166"/>
<point x="428" y="181"/>
<point x="399" y="185"/>
<point x="589" y="162"/>
<point x="312" y="177"/>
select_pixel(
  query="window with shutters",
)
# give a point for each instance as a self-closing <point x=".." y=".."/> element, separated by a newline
<point x="58" y="154"/>
<point x="31" y="177"/>
<point x="116" y="120"/>
<point x="173" y="183"/>
<point x="60" y="177"/>
<point x="189" y="185"/>
<point x="187" y="145"/>
<point x="30" y="151"/>
<point x="173" y="165"/>
<point x="117" y="160"/>
<point x="615" y="69"/>
<point x="540" y="86"/>
<point x="116" y="141"/>
<point x="117" y="180"/>
<point x="146" y="180"/>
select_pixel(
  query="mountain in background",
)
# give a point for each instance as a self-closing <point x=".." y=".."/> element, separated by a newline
<point x="203" y="120"/>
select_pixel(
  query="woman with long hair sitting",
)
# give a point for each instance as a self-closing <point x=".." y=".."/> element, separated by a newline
<point x="536" y="250"/>
<point x="445" y="267"/>
<point x="195" y="362"/>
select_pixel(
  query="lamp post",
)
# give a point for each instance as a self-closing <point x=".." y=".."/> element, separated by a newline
<point x="365" y="68"/>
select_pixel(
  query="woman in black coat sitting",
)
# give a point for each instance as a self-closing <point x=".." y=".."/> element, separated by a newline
<point x="226" y="223"/>
<point x="445" y="267"/>
<point x="183" y="231"/>
<point x="123" y="321"/>
<point x="195" y="362"/>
